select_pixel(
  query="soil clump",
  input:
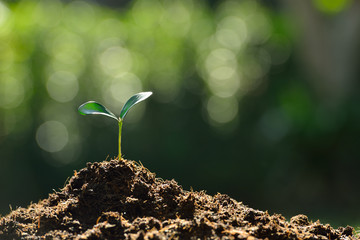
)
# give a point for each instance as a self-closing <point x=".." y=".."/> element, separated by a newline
<point x="123" y="200"/>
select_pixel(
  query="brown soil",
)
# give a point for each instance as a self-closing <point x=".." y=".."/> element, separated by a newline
<point x="123" y="200"/>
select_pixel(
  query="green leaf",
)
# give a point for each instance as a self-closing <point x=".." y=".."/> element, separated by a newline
<point x="93" y="107"/>
<point x="132" y="101"/>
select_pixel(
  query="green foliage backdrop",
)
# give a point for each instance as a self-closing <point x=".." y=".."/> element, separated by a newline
<point x="233" y="110"/>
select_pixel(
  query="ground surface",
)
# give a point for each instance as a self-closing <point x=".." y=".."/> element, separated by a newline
<point x="123" y="200"/>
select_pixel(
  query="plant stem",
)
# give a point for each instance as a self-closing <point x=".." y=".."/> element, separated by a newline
<point x="120" y="127"/>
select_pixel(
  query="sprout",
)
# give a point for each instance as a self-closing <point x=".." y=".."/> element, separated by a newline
<point x="93" y="107"/>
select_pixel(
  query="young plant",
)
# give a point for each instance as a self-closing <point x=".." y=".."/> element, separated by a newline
<point x="93" y="107"/>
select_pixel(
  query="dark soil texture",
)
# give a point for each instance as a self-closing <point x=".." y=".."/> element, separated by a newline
<point x="123" y="200"/>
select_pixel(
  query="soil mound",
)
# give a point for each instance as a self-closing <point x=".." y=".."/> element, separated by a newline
<point x="123" y="200"/>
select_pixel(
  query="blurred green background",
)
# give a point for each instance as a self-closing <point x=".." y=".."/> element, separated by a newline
<point x="255" y="99"/>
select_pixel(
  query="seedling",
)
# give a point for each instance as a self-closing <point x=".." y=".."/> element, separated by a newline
<point x="93" y="107"/>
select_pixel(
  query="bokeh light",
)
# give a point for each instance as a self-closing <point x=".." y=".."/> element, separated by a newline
<point x="115" y="60"/>
<point x="222" y="110"/>
<point x="11" y="93"/>
<point x="52" y="136"/>
<point x="62" y="86"/>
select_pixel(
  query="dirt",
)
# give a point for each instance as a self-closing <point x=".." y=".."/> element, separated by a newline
<point x="123" y="200"/>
